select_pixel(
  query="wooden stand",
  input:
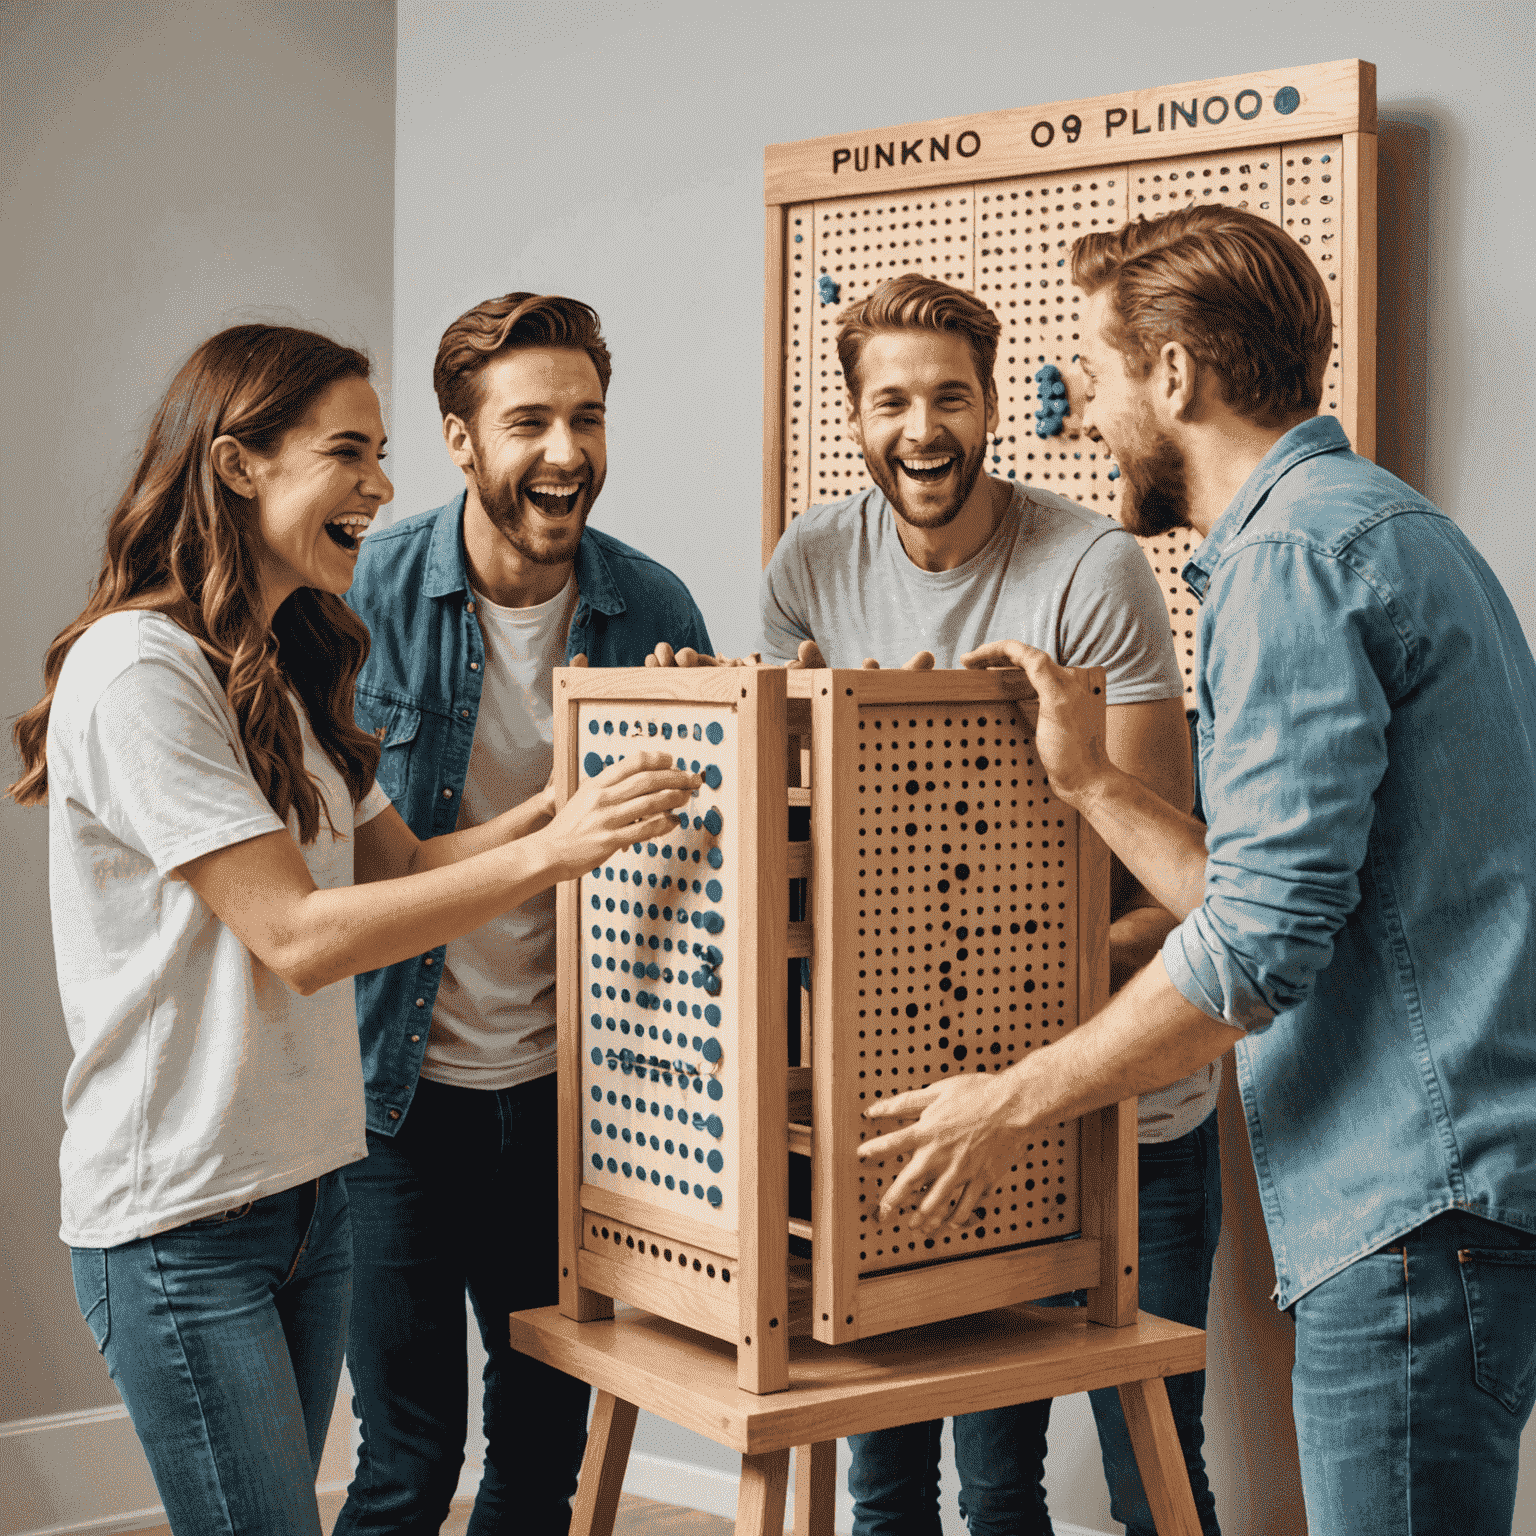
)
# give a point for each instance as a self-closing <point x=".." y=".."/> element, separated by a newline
<point x="1017" y="1354"/>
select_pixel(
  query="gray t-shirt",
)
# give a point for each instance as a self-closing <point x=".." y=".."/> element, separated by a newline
<point x="1054" y="575"/>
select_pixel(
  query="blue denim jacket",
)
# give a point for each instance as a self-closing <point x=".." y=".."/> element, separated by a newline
<point x="1367" y="744"/>
<point x="421" y="684"/>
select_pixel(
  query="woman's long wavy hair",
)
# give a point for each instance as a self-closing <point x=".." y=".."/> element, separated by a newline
<point x="181" y="543"/>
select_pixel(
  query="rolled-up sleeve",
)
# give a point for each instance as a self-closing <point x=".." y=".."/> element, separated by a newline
<point x="1300" y="659"/>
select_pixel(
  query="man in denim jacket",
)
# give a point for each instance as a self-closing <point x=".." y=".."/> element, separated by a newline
<point x="470" y="607"/>
<point x="1360" y="919"/>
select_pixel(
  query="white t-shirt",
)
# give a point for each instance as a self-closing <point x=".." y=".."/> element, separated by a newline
<point x="493" y="1025"/>
<point x="199" y="1080"/>
<point x="1054" y="575"/>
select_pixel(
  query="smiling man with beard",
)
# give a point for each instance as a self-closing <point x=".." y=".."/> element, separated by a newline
<point x="938" y="559"/>
<point x="1359" y="919"/>
<point x="470" y="607"/>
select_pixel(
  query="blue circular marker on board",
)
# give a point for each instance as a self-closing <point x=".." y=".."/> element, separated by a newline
<point x="1114" y="473"/>
<point x="715" y="1126"/>
<point x="713" y="922"/>
<point x="711" y="1049"/>
<point x="1287" y="99"/>
<point x="712" y="776"/>
<point x="713" y="822"/>
<point x="715" y="732"/>
<point x="607" y="727"/>
<point x="597" y="1057"/>
<point x="597" y="1162"/>
<point x="593" y="764"/>
<point x="714" y="891"/>
<point x="716" y="1090"/>
<point x="712" y="1015"/>
<point x="715" y="1161"/>
<point x="592" y="726"/>
<point x="715" y="1197"/>
<point x="716" y="858"/>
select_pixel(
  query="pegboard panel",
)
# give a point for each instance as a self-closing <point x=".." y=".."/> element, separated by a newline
<point x="659" y="1080"/>
<point x="858" y="244"/>
<point x="799" y="329"/>
<point x="1247" y="179"/>
<point x="1313" y="196"/>
<point x="967" y="947"/>
<point x="1042" y="175"/>
<point x="1024" y="234"/>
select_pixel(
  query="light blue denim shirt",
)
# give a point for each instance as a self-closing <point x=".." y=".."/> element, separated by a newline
<point x="1367" y="746"/>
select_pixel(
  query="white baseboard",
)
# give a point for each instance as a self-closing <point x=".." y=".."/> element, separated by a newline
<point x="714" y="1492"/>
<point x="84" y="1474"/>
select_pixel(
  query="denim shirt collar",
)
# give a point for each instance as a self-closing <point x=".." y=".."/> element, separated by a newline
<point x="446" y="571"/>
<point x="1322" y="434"/>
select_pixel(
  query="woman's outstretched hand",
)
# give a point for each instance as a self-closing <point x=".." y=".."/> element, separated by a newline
<point x="628" y="802"/>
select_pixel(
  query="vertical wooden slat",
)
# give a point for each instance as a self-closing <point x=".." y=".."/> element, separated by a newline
<point x="1109" y="1183"/>
<point x="576" y="1301"/>
<point x="773" y="379"/>
<point x="834" y="851"/>
<point x="602" y="1470"/>
<point x="1159" y="1457"/>
<point x="815" y="1488"/>
<point x="761" y="1494"/>
<point x="1359" y="282"/>
<point x="763" y="1177"/>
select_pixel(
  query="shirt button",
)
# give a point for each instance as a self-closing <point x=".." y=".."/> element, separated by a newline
<point x="421" y="1002"/>
<point x="394" y="1114"/>
<point x="415" y="1039"/>
<point x="474" y="666"/>
<point x="469" y="607"/>
<point x="427" y="960"/>
<point x="447" y="794"/>
<point x="464" y="713"/>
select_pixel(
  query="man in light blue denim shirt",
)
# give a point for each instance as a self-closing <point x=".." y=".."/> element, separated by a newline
<point x="1359" y="918"/>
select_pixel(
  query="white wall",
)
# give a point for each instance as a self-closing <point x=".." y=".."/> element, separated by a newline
<point x="614" y="152"/>
<point x="166" y="169"/>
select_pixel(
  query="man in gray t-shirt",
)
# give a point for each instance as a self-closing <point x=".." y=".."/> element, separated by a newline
<point x="938" y="559"/>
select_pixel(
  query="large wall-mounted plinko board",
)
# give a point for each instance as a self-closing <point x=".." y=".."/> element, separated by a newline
<point x="993" y="204"/>
<point x="671" y="1010"/>
<point x="958" y="918"/>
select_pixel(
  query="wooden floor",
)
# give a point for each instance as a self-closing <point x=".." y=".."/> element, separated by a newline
<point x="637" y="1517"/>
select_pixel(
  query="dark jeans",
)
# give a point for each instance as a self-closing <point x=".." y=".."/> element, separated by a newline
<point x="1415" y="1374"/>
<point x="462" y="1197"/>
<point x="1000" y="1454"/>
<point x="224" y="1337"/>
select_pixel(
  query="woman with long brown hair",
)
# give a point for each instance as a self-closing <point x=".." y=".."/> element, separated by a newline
<point x="221" y="865"/>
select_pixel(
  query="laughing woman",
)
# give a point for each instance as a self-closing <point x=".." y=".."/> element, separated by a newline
<point x="221" y="865"/>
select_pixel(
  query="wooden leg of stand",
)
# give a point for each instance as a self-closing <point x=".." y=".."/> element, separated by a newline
<point x="602" y="1469"/>
<point x="1159" y="1457"/>
<point x="815" y="1487"/>
<point x="760" y="1501"/>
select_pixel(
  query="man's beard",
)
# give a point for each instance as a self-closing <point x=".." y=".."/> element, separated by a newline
<point x="892" y="480"/>
<point x="503" y="504"/>
<point x="1156" y="495"/>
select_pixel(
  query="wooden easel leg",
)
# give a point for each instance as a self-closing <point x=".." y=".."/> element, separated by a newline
<point x="1159" y="1457"/>
<point x="760" y="1501"/>
<point x="815" y="1487"/>
<point x="602" y="1469"/>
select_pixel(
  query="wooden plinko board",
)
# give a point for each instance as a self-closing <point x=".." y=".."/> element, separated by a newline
<point x="957" y="919"/>
<point x="993" y="204"/>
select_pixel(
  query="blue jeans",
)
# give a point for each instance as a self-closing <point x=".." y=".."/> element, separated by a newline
<point x="225" y="1338"/>
<point x="1000" y="1454"/>
<point x="462" y="1197"/>
<point x="1415" y="1374"/>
